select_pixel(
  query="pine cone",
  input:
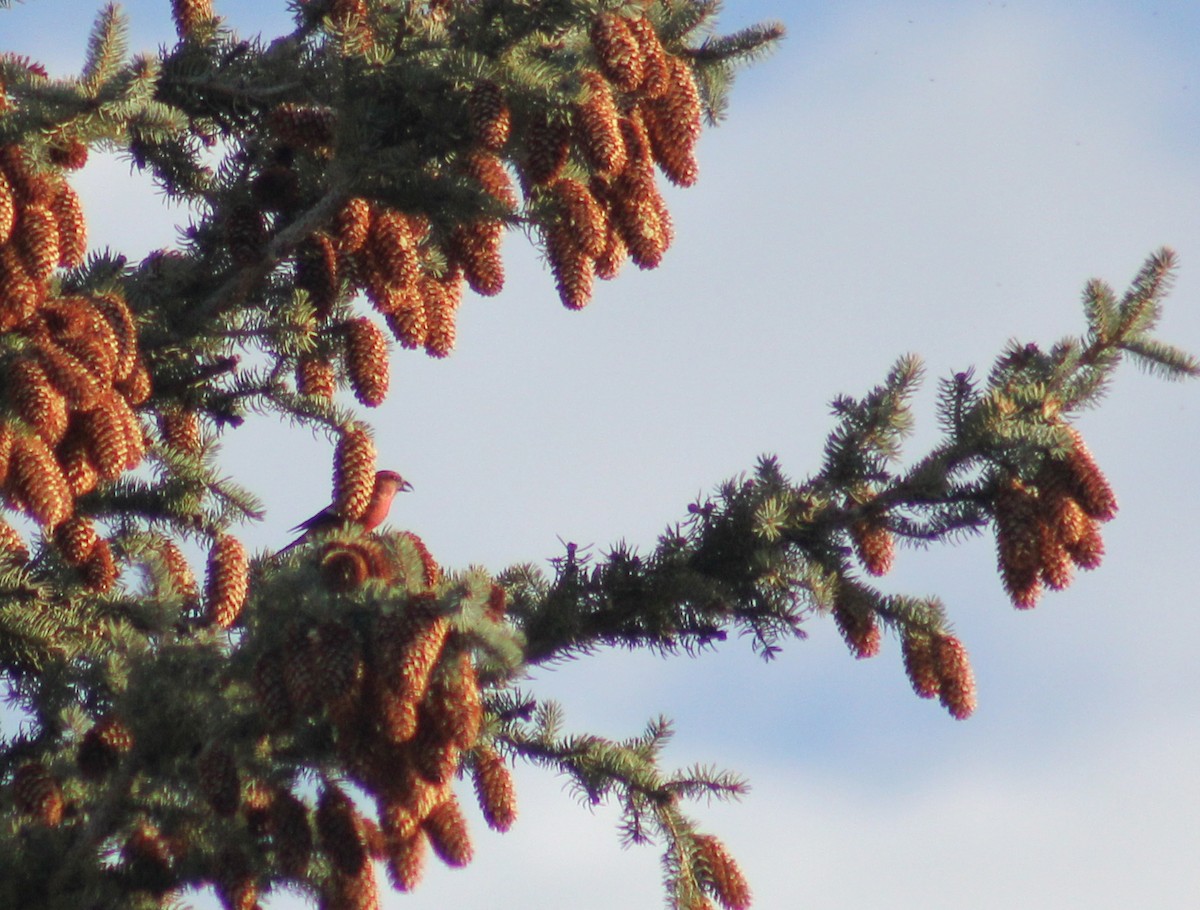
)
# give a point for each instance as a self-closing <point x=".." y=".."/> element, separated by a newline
<point x="353" y="473"/>
<point x="491" y="119"/>
<point x="351" y="225"/>
<point x="190" y="15"/>
<point x="307" y="126"/>
<point x="12" y="547"/>
<point x="673" y="125"/>
<point x="486" y="169"/>
<point x="339" y="830"/>
<point x="548" y="146"/>
<point x="874" y="544"/>
<point x="406" y="649"/>
<point x="271" y="689"/>
<point x="36" y="483"/>
<point x="72" y="226"/>
<point x="441" y="297"/>
<point x="315" y="376"/>
<point x="69" y="154"/>
<point x="406" y="861"/>
<point x="180" y="429"/>
<point x="721" y="873"/>
<point x="1018" y="542"/>
<point x="921" y="663"/>
<point x="36" y="401"/>
<point x="453" y="702"/>
<point x="597" y="124"/>
<point x="404" y="311"/>
<point x="291" y="834"/>
<point x="1087" y="482"/>
<point x="8" y="208"/>
<point x="494" y="788"/>
<point x="37" y="792"/>
<point x="571" y="266"/>
<point x="446" y="828"/>
<point x="217" y="776"/>
<point x="476" y="248"/>
<point x="114" y="309"/>
<point x="956" y="681"/>
<point x="584" y="214"/>
<point x="76" y="538"/>
<point x="227" y="582"/>
<point x="79" y="472"/>
<point x="36" y="239"/>
<point x="859" y="627"/>
<point x="102" y="746"/>
<point x="179" y="572"/>
<point x="391" y="250"/>
<point x="656" y="80"/>
<point x="100" y="571"/>
<point x="367" y="361"/>
<point x="317" y="273"/>
<point x="81" y="386"/>
<point x="246" y="235"/>
<point x="19" y="294"/>
<point x="617" y="51"/>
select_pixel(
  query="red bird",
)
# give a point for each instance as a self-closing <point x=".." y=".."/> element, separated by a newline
<point x="387" y="485"/>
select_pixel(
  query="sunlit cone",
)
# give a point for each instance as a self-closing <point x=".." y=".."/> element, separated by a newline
<point x="81" y="325"/>
<point x="494" y="788"/>
<point x="367" y="361"/>
<point x="102" y="747"/>
<point x="36" y="792"/>
<point x="343" y="568"/>
<point x="860" y="629"/>
<point x="608" y="263"/>
<point x="70" y="376"/>
<point x="36" y="239"/>
<point x="454" y="703"/>
<point x="359" y="891"/>
<point x="19" y="293"/>
<point x="486" y="169"/>
<point x="36" y="482"/>
<point x="113" y="435"/>
<point x="72" y="227"/>
<point x="6" y="449"/>
<point x="597" y="125"/>
<point x="656" y="79"/>
<point x="291" y="833"/>
<point x="339" y="831"/>
<point x="353" y="472"/>
<point x="8" y="209"/>
<point x="1088" y="483"/>
<point x="233" y="880"/>
<point x="227" y="581"/>
<point x="76" y="538"/>
<point x="406" y="649"/>
<point x="434" y="755"/>
<point x="75" y="459"/>
<point x="36" y="400"/>
<point x="315" y="376"/>
<point x="189" y="15"/>
<point x="957" y="681"/>
<point x="218" y="779"/>
<point x="1057" y="566"/>
<point x="572" y="267"/>
<point x="441" y="297"/>
<point x="148" y="859"/>
<point x="721" y="873"/>
<point x="180" y="429"/>
<point x="638" y="209"/>
<point x="921" y="663"/>
<point x="404" y="312"/>
<point x="136" y="387"/>
<point x="583" y="214"/>
<point x="246" y="235"/>
<point x="69" y="154"/>
<point x="12" y="546"/>
<point x="100" y="571"/>
<point x="617" y="51"/>
<point x="28" y="185"/>
<point x="114" y="308"/>
<point x="548" y="145"/>
<point x="1018" y="542"/>
<point x="317" y="272"/>
<point x="351" y="225"/>
<point x="271" y="690"/>
<point x="446" y="827"/>
<point x="179" y="571"/>
<point x="476" y="248"/>
<point x="391" y="248"/>
<point x="874" y="545"/>
<point x="491" y="119"/>
<point x="673" y="125"/>
<point x="1087" y="551"/>
<point x="406" y="861"/>
<point x="307" y="126"/>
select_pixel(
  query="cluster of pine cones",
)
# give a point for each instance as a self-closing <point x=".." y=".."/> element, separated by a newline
<point x="1047" y="528"/>
<point x="73" y="376"/>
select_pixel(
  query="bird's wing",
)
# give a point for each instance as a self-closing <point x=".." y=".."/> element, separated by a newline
<point x="325" y="517"/>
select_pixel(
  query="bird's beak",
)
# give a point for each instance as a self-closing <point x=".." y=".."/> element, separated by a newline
<point x="405" y="486"/>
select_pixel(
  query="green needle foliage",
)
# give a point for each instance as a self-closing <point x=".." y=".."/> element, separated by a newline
<point x="298" y="721"/>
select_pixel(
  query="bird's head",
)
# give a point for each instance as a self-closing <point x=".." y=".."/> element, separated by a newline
<point x="391" y="482"/>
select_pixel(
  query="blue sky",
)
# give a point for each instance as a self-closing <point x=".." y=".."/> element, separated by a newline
<point x="932" y="177"/>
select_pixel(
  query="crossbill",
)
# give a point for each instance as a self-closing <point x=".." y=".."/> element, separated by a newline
<point x="387" y="485"/>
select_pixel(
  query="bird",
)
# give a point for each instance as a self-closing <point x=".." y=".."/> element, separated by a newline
<point x="387" y="485"/>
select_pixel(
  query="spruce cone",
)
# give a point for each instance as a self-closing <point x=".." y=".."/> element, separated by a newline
<point x="114" y="309"/>
<point x="548" y="146"/>
<point x="353" y="473"/>
<point x="19" y="294"/>
<point x="583" y="214"/>
<point x="673" y="125"/>
<point x="340" y="831"/>
<point x="71" y="224"/>
<point x="189" y="15"/>
<point x="148" y="859"/>
<point x="494" y="788"/>
<point x="291" y="833"/>
<point x="76" y="538"/>
<point x="271" y="689"/>
<point x="307" y="126"/>
<point x="351" y="225"/>
<point x="36" y="401"/>
<point x="315" y="376"/>
<point x="721" y="873"/>
<point x="36" y="792"/>
<point x="227" y="582"/>
<point x="8" y="208"/>
<point x="406" y="650"/>
<point x="367" y="361"/>
<point x="179" y="572"/>
<point x="1018" y="542"/>
<point x="617" y="51"/>
<point x="234" y="882"/>
<point x="180" y="429"/>
<point x="217" y="776"/>
<point x="491" y="119"/>
<point x="100" y="571"/>
<point x="36" y="484"/>
<point x="12" y="547"/>
<point x="78" y="383"/>
<point x="1087" y="482"/>
<point x="69" y="154"/>
<point x="102" y="746"/>
<point x="78" y="470"/>
<point x="404" y="311"/>
<point x="656" y="80"/>
<point x="571" y="266"/>
<point x="476" y="248"/>
<point x="441" y="297"/>
<point x="860" y="629"/>
<point x="957" y="682"/>
<point x="391" y="248"/>
<point x="317" y="273"/>
<point x="874" y="544"/>
<point x="488" y="171"/>
<point x="446" y="828"/>
<point x="246" y="235"/>
<point x="406" y="861"/>
<point x="597" y="124"/>
<point x="36" y="239"/>
<point x="921" y="663"/>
